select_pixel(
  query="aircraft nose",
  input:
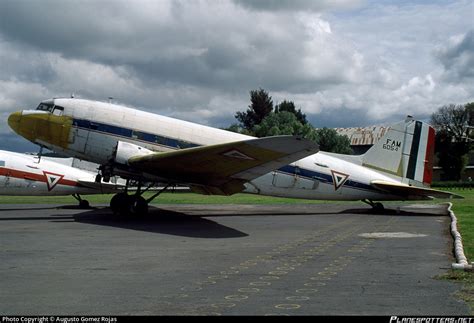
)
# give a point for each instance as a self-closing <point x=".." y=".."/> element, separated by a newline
<point x="14" y="120"/>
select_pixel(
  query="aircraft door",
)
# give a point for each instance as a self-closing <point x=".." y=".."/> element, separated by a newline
<point x="79" y="135"/>
<point x="294" y="179"/>
<point x="283" y="180"/>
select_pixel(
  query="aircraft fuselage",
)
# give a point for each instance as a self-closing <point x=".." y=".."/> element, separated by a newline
<point x="91" y="130"/>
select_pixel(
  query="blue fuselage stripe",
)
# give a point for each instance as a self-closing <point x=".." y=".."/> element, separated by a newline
<point x="180" y="144"/>
<point x="132" y="134"/>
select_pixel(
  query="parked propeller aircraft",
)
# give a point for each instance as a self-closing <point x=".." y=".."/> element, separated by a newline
<point x="25" y="175"/>
<point x="147" y="147"/>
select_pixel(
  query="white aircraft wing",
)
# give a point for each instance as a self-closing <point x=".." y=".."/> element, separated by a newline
<point x="224" y="168"/>
<point x="406" y="190"/>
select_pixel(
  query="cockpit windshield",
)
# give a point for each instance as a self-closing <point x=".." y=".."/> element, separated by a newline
<point x="45" y="107"/>
<point x="51" y="108"/>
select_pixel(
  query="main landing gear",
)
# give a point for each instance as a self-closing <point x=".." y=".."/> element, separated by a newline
<point x="377" y="206"/>
<point x="125" y="204"/>
<point x="83" y="204"/>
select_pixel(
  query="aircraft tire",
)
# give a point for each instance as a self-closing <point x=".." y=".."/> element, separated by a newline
<point x="84" y="204"/>
<point x="120" y="203"/>
<point x="139" y="205"/>
<point x="378" y="206"/>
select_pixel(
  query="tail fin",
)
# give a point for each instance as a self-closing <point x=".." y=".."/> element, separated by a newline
<point x="406" y="152"/>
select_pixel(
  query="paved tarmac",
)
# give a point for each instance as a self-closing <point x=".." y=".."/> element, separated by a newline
<point x="226" y="260"/>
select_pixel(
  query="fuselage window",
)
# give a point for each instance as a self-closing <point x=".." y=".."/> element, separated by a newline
<point x="58" y="111"/>
<point x="2" y="163"/>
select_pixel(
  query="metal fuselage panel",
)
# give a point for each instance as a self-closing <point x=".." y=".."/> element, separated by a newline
<point x="96" y="127"/>
<point x="22" y="175"/>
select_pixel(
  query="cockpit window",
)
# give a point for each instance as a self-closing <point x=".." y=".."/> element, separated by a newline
<point x="45" y="107"/>
<point x="58" y="111"/>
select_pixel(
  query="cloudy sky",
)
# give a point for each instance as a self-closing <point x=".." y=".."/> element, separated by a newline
<point x="343" y="62"/>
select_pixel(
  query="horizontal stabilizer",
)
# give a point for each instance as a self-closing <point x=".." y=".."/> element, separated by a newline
<point x="224" y="168"/>
<point x="406" y="190"/>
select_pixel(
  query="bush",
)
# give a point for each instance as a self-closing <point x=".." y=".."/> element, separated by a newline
<point x="453" y="184"/>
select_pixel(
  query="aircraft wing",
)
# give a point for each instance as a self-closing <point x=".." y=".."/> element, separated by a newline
<point x="224" y="168"/>
<point x="406" y="190"/>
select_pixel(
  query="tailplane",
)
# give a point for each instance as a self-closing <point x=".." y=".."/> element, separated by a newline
<point x="405" y="152"/>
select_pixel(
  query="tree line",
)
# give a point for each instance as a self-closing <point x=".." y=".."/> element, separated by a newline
<point x="263" y="119"/>
<point x="454" y="126"/>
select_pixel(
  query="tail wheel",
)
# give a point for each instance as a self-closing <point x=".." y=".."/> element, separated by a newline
<point x="84" y="204"/>
<point x="378" y="206"/>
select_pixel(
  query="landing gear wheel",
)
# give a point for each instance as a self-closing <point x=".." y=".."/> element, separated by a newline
<point x="378" y="206"/>
<point x="84" y="204"/>
<point x="139" y="205"/>
<point x="120" y="203"/>
<point x="125" y="204"/>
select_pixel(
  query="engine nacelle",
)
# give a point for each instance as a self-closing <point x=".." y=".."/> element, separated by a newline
<point x="127" y="150"/>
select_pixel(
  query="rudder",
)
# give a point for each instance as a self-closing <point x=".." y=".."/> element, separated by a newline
<point x="405" y="152"/>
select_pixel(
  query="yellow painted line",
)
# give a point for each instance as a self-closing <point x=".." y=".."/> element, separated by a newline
<point x="229" y="272"/>
<point x="288" y="306"/>
<point x="248" y="290"/>
<point x="278" y="272"/>
<point x="236" y="297"/>
<point x="206" y="282"/>
<point x="191" y="288"/>
<point x="260" y="283"/>
<point x="225" y="305"/>
<point x="217" y="277"/>
<point x="306" y="290"/>
<point x="297" y="298"/>
<point x="315" y="284"/>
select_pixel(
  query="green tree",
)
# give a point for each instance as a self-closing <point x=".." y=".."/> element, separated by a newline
<point x="329" y="140"/>
<point x="470" y="122"/>
<point x="260" y="107"/>
<point x="289" y="106"/>
<point x="282" y="123"/>
<point x="286" y="123"/>
<point x="453" y="143"/>
<point x="238" y="129"/>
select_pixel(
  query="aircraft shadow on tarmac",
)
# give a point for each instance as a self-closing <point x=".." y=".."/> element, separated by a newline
<point x="181" y="223"/>
<point x="160" y="221"/>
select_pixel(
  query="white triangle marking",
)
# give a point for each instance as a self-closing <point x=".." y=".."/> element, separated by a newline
<point x="339" y="179"/>
<point x="234" y="153"/>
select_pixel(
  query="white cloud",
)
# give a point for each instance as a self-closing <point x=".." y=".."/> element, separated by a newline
<point x="340" y="61"/>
